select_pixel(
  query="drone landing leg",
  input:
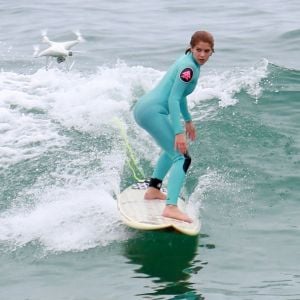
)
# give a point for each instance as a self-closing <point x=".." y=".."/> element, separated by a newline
<point x="51" y="62"/>
<point x="67" y="64"/>
<point x="72" y="64"/>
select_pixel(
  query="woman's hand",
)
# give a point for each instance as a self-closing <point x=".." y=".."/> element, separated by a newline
<point x="180" y="139"/>
<point x="180" y="143"/>
<point x="190" y="130"/>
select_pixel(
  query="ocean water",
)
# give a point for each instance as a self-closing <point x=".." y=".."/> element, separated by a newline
<point x="63" y="160"/>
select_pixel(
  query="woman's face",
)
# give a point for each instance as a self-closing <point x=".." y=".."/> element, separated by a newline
<point x="201" y="52"/>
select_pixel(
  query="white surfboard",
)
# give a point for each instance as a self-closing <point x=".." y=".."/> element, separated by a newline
<point x="147" y="214"/>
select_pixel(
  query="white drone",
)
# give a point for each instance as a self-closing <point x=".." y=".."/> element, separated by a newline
<point x="59" y="50"/>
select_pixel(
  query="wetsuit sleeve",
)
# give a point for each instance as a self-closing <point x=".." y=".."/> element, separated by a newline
<point x="181" y="82"/>
<point x="184" y="110"/>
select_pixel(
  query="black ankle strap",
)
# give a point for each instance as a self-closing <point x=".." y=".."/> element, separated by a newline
<point x="155" y="183"/>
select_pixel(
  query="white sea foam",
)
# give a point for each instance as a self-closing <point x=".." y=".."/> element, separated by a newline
<point x="77" y="213"/>
<point x="25" y="137"/>
<point x="64" y="219"/>
<point x="224" y="86"/>
<point x="209" y="180"/>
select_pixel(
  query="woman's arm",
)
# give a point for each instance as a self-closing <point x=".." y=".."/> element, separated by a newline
<point x="184" y="110"/>
<point x="182" y="80"/>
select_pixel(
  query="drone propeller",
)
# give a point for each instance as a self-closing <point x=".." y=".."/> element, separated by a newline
<point x="44" y="32"/>
<point x="79" y="36"/>
<point x="45" y="37"/>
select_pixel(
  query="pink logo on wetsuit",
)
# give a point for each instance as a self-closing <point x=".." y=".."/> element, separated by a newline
<point x="186" y="75"/>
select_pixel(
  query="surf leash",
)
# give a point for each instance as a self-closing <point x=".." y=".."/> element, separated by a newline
<point x="131" y="160"/>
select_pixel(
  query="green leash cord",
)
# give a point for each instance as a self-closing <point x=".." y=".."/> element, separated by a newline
<point x="137" y="173"/>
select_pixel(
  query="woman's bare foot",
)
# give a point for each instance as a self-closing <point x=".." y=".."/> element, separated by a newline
<point x="172" y="211"/>
<point x="153" y="193"/>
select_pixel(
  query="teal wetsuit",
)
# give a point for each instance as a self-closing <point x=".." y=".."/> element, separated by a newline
<point x="159" y="111"/>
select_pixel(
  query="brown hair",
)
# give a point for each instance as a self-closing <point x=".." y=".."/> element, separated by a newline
<point x="201" y="36"/>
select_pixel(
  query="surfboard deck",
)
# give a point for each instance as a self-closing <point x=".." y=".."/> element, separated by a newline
<point x="138" y="213"/>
